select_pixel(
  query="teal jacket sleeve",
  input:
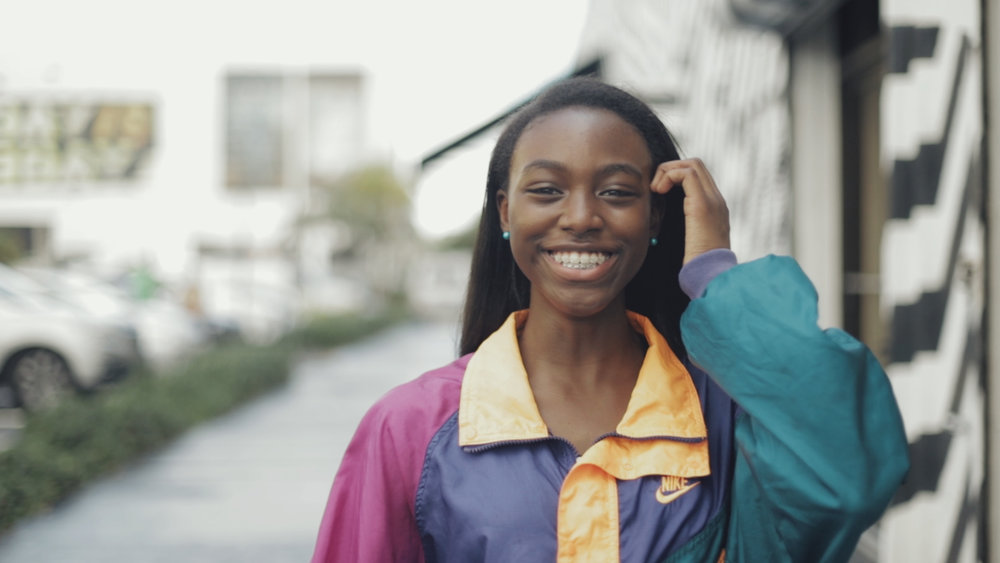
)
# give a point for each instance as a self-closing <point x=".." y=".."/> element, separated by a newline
<point x="820" y="442"/>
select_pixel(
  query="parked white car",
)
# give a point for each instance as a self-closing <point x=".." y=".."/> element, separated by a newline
<point x="49" y="348"/>
<point x="165" y="330"/>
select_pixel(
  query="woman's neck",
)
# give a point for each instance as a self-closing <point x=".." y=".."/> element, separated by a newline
<point x="581" y="371"/>
<point x="581" y="352"/>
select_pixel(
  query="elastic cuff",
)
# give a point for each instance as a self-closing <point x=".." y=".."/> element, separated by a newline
<point x="696" y="274"/>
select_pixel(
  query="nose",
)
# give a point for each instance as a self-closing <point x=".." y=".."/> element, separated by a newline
<point x="581" y="213"/>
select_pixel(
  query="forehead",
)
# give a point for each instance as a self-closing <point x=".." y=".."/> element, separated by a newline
<point x="579" y="135"/>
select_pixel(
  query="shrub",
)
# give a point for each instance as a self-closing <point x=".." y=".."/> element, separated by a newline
<point x="83" y="438"/>
<point x="326" y="331"/>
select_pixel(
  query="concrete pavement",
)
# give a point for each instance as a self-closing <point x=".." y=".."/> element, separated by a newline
<point x="11" y="423"/>
<point x="248" y="487"/>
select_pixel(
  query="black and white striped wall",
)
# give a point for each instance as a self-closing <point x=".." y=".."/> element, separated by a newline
<point x="933" y="273"/>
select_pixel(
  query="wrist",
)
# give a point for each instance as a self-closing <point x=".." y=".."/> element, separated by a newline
<point x="700" y="270"/>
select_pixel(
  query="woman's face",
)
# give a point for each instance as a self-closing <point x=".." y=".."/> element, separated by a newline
<point x="578" y="208"/>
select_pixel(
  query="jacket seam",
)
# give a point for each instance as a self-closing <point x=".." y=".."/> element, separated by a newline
<point x="418" y="501"/>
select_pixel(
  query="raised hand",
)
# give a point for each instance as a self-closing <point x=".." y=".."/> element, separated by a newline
<point x="706" y="217"/>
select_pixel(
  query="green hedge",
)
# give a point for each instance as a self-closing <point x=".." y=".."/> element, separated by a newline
<point x="86" y="437"/>
<point x="327" y="331"/>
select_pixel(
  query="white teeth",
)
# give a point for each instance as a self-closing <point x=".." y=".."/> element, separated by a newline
<point x="580" y="260"/>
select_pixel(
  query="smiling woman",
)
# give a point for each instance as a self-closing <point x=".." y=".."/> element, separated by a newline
<point x="628" y="392"/>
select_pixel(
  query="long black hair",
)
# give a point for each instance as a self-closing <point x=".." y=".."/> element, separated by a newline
<point x="497" y="287"/>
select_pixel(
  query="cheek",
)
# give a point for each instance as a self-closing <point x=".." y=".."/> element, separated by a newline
<point x="524" y="248"/>
<point x="523" y="253"/>
<point x="634" y="224"/>
<point x="641" y="252"/>
<point x="529" y="221"/>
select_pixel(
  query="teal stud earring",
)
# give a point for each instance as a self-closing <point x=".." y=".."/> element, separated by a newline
<point x="653" y="242"/>
<point x="506" y="235"/>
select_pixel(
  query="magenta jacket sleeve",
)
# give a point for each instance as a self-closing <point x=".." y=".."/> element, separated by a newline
<point x="370" y="512"/>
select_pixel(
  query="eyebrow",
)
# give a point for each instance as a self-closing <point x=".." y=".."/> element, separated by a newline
<point x="544" y="165"/>
<point x="608" y="170"/>
<point x="612" y="169"/>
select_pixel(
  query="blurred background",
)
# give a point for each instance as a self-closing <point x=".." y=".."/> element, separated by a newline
<point x="176" y="177"/>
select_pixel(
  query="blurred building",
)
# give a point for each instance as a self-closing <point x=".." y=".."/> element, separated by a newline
<point x="855" y="135"/>
<point x="196" y="167"/>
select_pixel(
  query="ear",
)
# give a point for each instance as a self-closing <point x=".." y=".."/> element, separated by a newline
<point x="502" y="203"/>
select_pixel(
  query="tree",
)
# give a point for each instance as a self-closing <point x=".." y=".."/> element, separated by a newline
<point x="9" y="249"/>
<point x="374" y="204"/>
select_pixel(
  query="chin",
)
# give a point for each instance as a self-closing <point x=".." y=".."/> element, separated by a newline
<point x="582" y="308"/>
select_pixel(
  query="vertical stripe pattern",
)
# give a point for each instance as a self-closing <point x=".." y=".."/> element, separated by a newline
<point x="933" y="273"/>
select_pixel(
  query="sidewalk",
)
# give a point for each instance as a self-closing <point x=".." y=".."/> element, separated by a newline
<point x="11" y="423"/>
<point x="248" y="487"/>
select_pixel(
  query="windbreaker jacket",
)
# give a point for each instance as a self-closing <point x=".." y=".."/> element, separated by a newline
<point x="776" y="442"/>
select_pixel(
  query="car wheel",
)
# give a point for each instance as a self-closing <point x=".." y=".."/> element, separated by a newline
<point x="41" y="379"/>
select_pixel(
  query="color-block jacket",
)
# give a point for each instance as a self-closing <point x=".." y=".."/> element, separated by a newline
<point x="777" y="442"/>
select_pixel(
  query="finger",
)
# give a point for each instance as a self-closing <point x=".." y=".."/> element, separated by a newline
<point x="688" y="179"/>
<point x="697" y="182"/>
<point x="674" y="172"/>
<point x="660" y="183"/>
<point x="707" y="182"/>
<point x="702" y="195"/>
<point x="703" y="202"/>
<point x="665" y="177"/>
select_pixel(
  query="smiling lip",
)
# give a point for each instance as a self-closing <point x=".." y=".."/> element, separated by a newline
<point x="579" y="260"/>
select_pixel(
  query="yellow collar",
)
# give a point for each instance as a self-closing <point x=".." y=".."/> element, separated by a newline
<point x="497" y="403"/>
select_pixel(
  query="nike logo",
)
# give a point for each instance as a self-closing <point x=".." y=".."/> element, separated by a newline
<point x="672" y="488"/>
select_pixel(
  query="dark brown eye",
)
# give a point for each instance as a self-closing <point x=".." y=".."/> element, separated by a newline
<point x="544" y="190"/>
<point x="618" y="192"/>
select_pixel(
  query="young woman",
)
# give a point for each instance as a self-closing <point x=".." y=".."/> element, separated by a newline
<point x="627" y="391"/>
